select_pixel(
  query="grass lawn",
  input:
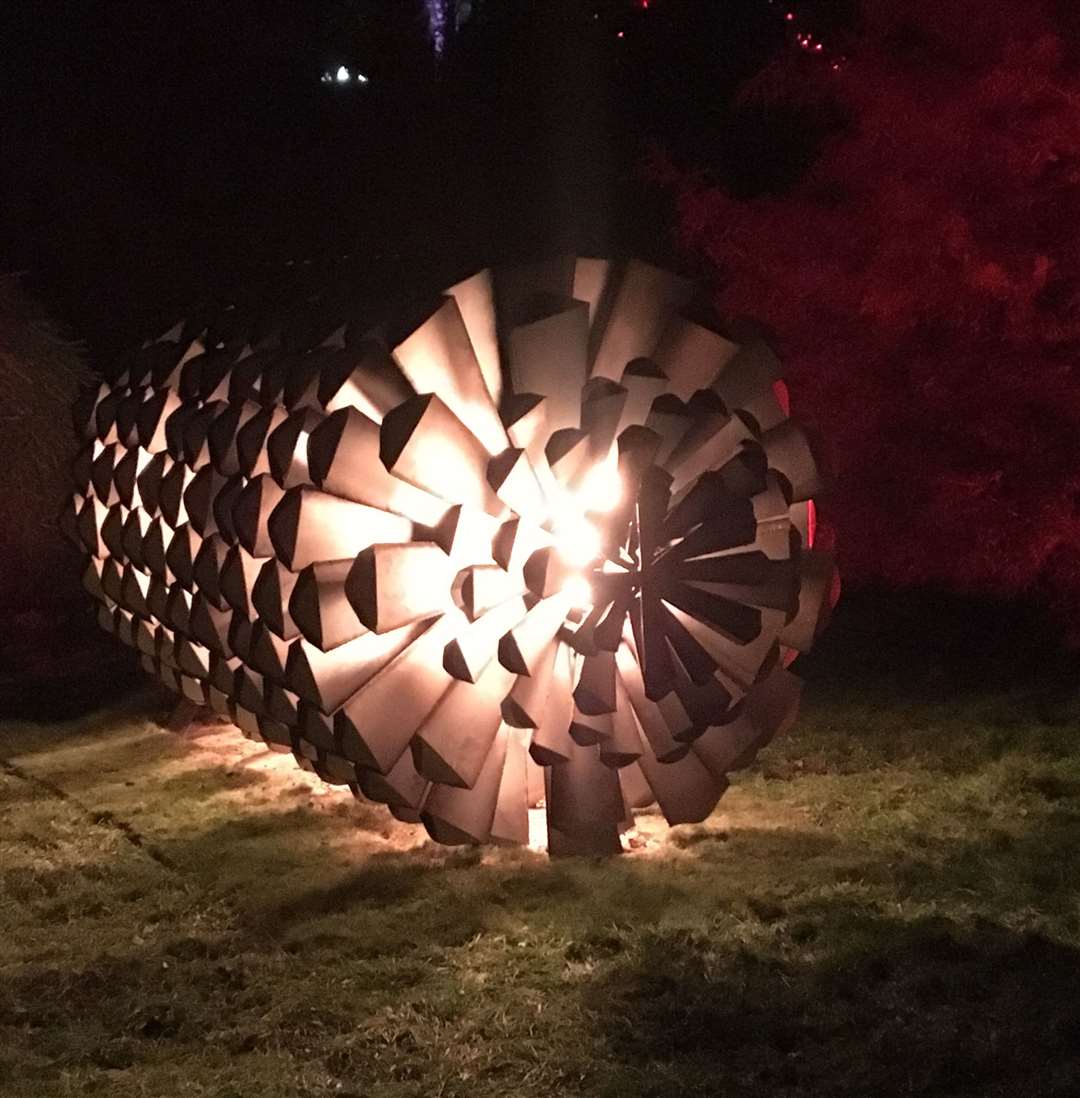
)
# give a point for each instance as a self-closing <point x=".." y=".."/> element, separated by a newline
<point x="888" y="904"/>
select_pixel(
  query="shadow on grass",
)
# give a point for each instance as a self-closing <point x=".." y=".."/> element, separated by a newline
<point x="723" y="871"/>
<point x="873" y="1006"/>
<point x="834" y="999"/>
<point x="756" y="962"/>
<point x="385" y="880"/>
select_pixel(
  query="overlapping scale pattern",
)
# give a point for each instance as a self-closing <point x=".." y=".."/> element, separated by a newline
<point x="544" y="542"/>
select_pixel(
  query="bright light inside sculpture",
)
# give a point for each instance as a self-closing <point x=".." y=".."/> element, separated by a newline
<point x="578" y="591"/>
<point x="578" y="541"/>
<point x="389" y="561"/>
<point x="343" y="76"/>
<point x="601" y="489"/>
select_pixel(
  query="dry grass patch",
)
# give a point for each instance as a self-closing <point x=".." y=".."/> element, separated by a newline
<point x="887" y="904"/>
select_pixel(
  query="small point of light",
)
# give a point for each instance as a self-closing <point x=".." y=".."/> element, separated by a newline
<point x="818" y="47"/>
<point x="621" y="34"/>
<point x="579" y="591"/>
<point x="789" y="16"/>
<point x="342" y="75"/>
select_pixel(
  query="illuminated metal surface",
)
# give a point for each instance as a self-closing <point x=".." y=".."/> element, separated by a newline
<point x="544" y="547"/>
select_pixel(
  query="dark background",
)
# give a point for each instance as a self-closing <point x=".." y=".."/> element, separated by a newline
<point x="159" y="154"/>
<point x="156" y="151"/>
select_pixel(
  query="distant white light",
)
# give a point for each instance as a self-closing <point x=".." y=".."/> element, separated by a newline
<point x="343" y="76"/>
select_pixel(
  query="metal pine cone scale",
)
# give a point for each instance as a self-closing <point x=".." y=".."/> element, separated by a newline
<point x="542" y="546"/>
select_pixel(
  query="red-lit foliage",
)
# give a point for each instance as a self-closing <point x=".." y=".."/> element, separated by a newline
<point x="923" y="279"/>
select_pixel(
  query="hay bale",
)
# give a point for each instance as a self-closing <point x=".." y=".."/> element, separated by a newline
<point x="40" y="374"/>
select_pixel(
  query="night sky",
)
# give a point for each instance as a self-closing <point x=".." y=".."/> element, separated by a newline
<point x="153" y="150"/>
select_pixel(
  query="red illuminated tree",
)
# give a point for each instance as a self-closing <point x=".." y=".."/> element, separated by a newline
<point x="923" y="278"/>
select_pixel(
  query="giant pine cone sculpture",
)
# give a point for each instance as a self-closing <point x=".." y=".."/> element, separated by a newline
<point x="544" y="541"/>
